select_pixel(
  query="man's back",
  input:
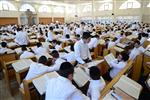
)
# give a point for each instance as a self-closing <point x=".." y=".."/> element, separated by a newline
<point x="22" y="38"/>
<point x="61" y="88"/>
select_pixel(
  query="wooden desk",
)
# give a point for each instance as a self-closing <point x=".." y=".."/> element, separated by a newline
<point x="146" y="58"/>
<point x="137" y="66"/>
<point x="111" y="84"/>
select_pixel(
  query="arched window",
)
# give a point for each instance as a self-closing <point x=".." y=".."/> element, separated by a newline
<point x="44" y="8"/>
<point x="106" y="6"/>
<point x="58" y="9"/>
<point x="130" y="4"/>
<point x="5" y="5"/>
<point x="148" y="5"/>
<point x="24" y="7"/>
<point x="87" y="8"/>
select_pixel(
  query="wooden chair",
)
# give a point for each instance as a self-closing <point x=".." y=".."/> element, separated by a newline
<point x="7" y="58"/>
<point x="116" y="79"/>
<point x="9" y="74"/>
<point x="4" y="59"/>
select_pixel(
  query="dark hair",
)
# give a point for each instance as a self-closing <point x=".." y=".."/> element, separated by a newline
<point x="51" y="28"/>
<point x="72" y="47"/>
<point x="94" y="73"/>
<point x="125" y="55"/>
<point x="19" y="29"/>
<point x="137" y="41"/>
<point x="86" y="35"/>
<point x="66" y="69"/>
<point x="43" y="60"/>
<point x="4" y="44"/>
<point x="39" y="44"/>
<point x="55" y="54"/>
<point x="67" y="36"/>
<point x="115" y="39"/>
<point x="78" y="36"/>
<point x="23" y="48"/>
<point x="96" y="36"/>
<point x="82" y="23"/>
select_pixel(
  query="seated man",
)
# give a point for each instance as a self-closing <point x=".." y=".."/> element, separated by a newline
<point x="138" y="49"/>
<point x="96" y="83"/>
<point x="26" y="53"/>
<point x="57" y="61"/>
<point x="21" y="37"/>
<point x="61" y="88"/>
<point x="4" y="49"/>
<point x="71" y="55"/>
<point x="116" y="66"/>
<point x="40" y="50"/>
<point x="37" y="68"/>
<point x="93" y="42"/>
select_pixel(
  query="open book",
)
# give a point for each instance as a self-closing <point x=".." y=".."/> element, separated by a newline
<point x="118" y="49"/>
<point x="130" y="37"/>
<point x="109" y="58"/>
<point x="94" y="63"/>
<point x="40" y="83"/>
<point x="12" y="44"/>
<point x="129" y="86"/>
<point x="67" y="49"/>
<point x="33" y="40"/>
<point x="22" y="64"/>
<point x="80" y="77"/>
<point x="147" y="53"/>
<point x="121" y="45"/>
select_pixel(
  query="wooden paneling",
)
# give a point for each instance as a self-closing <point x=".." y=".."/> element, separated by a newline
<point x="8" y="20"/>
<point x="59" y="19"/>
<point x="45" y="20"/>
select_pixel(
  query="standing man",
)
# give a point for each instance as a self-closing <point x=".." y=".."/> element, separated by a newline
<point x="81" y="49"/>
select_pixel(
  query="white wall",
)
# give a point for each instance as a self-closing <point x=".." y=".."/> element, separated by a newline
<point x="144" y="13"/>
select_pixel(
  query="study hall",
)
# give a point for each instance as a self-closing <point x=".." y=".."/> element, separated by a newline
<point x="74" y="49"/>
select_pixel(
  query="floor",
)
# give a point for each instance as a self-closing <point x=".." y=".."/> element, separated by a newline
<point x="5" y="94"/>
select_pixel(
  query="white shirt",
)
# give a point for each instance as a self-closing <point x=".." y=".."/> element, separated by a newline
<point x="70" y="57"/>
<point x="143" y="39"/>
<point x="5" y="50"/>
<point x="81" y="51"/>
<point x="111" y="44"/>
<point x="57" y="65"/>
<point x="116" y="67"/>
<point x="61" y="88"/>
<point x="26" y="54"/>
<point x="135" y="52"/>
<point x="35" y="70"/>
<point x="79" y="31"/>
<point x="93" y="43"/>
<point x="50" y="36"/>
<point x="66" y="31"/>
<point x="22" y="38"/>
<point x="94" y="89"/>
<point x="41" y="51"/>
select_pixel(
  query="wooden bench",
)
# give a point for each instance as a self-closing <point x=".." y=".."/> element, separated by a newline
<point x="9" y="73"/>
